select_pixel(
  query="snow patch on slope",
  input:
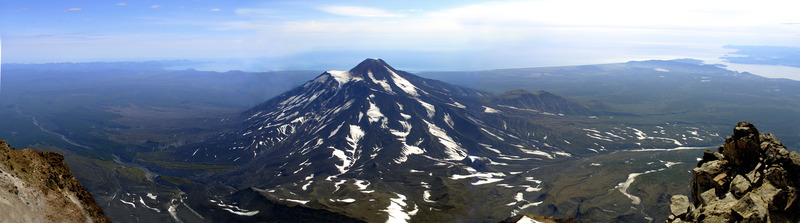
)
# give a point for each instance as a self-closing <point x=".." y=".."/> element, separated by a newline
<point x="428" y="107"/>
<point x="349" y="156"/>
<point x="374" y="113"/>
<point x="452" y="148"/>
<point x="457" y="105"/>
<point x="537" y="152"/>
<point x="484" y="178"/>
<point x="489" y="147"/>
<point x="383" y="83"/>
<point x="448" y="120"/>
<point x="490" y="110"/>
<point x="342" y="76"/>
<point x="403" y="84"/>
<point x="237" y="210"/>
<point x="396" y="209"/>
<point x="492" y="134"/>
<point x="407" y="149"/>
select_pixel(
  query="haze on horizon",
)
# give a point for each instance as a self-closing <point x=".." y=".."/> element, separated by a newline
<point x="412" y="35"/>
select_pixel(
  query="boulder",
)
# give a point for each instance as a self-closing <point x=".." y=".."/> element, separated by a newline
<point x="739" y="186"/>
<point x="708" y="197"/>
<point x="708" y="156"/>
<point x="750" y="209"/>
<point x="754" y="176"/>
<point x="679" y="205"/>
<point x="703" y="177"/>
<point x="720" y="181"/>
<point x="742" y="149"/>
<point x="766" y="193"/>
<point x="777" y="176"/>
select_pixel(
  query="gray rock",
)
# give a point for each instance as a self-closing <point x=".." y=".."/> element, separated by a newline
<point x="703" y="177"/>
<point x="795" y="157"/>
<point x="739" y="186"/>
<point x="728" y="198"/>
<point x="679" y="205"/>
<point x="766" y="192"/>
<point x="777" y="176"/>
<point x="754" y="176"/>
<point x="750" y="209"/>
<point x="790" y="197"/>
<point x="708" y="197"/>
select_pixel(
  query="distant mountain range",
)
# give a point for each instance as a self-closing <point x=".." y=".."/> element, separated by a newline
<point x="684" y="90"/>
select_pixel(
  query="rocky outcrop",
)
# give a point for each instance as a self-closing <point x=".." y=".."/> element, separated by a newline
<point x="39" y="187"/>
<point x="752" y="178"/>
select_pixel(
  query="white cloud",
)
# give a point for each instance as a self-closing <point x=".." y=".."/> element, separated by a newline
<point x="358" y="11"/>
<point x="254" y="12"/>
<point x="122" y="4"/>
<point x="550" y="32"/>
<point x="155" y="6"/>
<point x="567" y="31"/>
<point x="73" y="9"/>
<point x="215" y="10"/>
<point x="677" y="13"/>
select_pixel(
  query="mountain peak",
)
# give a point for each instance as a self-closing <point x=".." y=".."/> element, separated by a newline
<point x="371" y="64"/>
<point x="377" y="75"/>
<point x="375" y="70"/>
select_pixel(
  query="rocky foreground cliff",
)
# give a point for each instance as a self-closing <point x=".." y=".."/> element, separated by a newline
<point x="39" y="187"/>
<point x="752" y="178"/>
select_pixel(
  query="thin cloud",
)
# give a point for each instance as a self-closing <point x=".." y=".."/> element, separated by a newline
<point x="122" y="4"/>
<point x="155" y="6"/>
<point x="544" y="27"/>
<point x="215" y="10"/>
<point x="73" y="9"/>
<point x="634" y="14"/>
<point x="358" y="11"/>
<point x="255" y="12"/>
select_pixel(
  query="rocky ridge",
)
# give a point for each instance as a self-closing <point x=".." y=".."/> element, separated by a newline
<point x="752" y="178"/>
<point x="38" y="186"/>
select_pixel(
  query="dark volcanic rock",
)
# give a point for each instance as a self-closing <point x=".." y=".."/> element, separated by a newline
<point x="39" y="187"/>
<point x="753" y="178"/>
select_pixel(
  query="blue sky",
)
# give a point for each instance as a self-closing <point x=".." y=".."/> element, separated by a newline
<point x="413" y="35"/>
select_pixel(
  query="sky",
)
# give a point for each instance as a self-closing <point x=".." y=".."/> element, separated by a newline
<point x="411" y="35"/>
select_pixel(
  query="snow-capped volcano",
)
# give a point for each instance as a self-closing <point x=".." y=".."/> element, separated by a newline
<point x="372" y="117"/>
<point x="376" y="137"/>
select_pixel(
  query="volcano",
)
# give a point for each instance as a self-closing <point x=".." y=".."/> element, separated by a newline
<point x="378" y="140"/>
